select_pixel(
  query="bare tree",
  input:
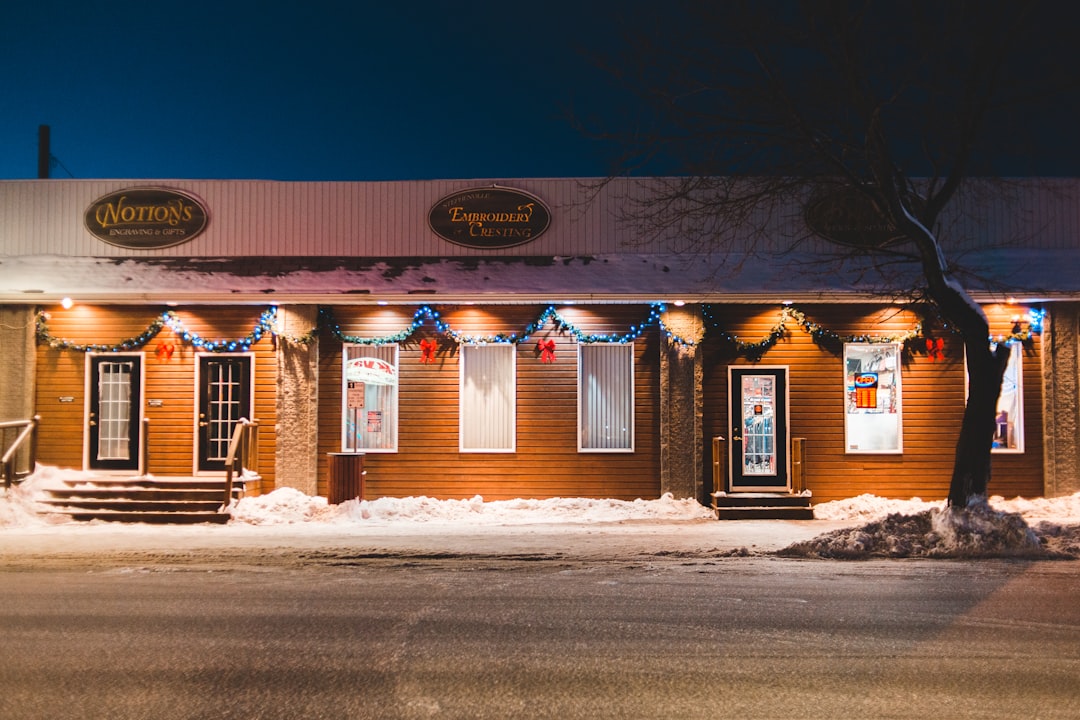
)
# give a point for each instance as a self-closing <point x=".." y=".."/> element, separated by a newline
<point x="748" y="108"/>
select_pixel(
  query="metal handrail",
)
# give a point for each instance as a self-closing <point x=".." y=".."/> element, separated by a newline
<point x="29" y="431"/>
<point x="243" y="453"/>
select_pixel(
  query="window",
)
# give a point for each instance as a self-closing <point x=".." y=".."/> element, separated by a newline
<point x="1009" y="425"/>
<point x="487" y="418"/>
<point x="369" y="398"/>
<point x="872" y="417"/>
<point x="1009" y="433"/>
<point x="606" y="397"/>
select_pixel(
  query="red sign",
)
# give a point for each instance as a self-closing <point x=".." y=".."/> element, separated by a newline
<point x="866" y="385"/>
<point x="372" y="371"/>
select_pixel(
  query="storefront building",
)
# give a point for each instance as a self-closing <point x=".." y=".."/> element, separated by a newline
<point x="517" y="338"/>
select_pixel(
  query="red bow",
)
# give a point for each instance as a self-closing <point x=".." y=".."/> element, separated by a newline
<point x="546" y="348"/>
<point x="164" y="351"/>
<point x="427" y="350"/>
<point x="935" y="349"/>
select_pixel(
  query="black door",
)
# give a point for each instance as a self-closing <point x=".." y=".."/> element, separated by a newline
<point x="113" y="416"/>
<point x="759" y="457"/>
<point x="224" y="398"/>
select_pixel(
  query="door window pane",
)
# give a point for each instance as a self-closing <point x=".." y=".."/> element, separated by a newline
<point x="369" y="398"/>
<point x="226" y="399"/>
<point x="872" y="417"/>
<point x="606" y="397"/>
<point x="114" y="410"/>
<point x="487" y="421"/>
<point x="759" y="425"/>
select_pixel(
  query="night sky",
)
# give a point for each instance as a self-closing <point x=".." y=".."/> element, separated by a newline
<point x="344" y="90"/>
<point x="310" y="90"/>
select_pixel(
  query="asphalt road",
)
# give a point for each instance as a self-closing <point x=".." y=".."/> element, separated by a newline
<point x="365" y="635"/>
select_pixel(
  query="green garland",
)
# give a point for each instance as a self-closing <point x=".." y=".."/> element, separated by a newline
<point x="826" y="339"/>
<point x="169" y="319"/>
<point x="753" y="350"/>
<point x="550" y="314"/>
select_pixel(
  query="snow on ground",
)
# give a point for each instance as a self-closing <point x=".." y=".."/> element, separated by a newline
<point x="864" y="526"/>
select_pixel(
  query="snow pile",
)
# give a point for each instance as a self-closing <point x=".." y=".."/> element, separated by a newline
<point x="977" y="531"/>
<point x="19" y="504"/>
<point x="287" y="506"/>
<point x="866" y="508"/>
<point x="281" y="507"/>
<point x="880" y="527"/>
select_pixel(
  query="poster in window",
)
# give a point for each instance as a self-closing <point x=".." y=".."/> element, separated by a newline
<point x="374" y="421"/>
<point x="355" y="395"/>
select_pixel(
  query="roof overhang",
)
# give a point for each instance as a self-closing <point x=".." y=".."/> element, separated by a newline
<point x="615" y="278"/>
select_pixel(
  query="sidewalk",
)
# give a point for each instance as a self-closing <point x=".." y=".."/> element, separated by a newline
<point x="246" y="544"/>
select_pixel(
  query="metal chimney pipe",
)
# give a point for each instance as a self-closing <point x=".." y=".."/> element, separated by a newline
<point x="43" y="152"/>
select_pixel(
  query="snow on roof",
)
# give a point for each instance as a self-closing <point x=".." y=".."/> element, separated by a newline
<point x="1033" y="275"/>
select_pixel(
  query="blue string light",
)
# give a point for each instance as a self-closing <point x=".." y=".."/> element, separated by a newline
<point x="549" y="315"/>
<point x="425" y="313"/>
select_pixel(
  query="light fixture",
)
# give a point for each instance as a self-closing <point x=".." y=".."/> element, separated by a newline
<point x="679" y="303"/>
<point x="67" y="303"/>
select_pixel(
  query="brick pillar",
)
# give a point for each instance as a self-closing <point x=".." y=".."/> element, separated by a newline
<point x="1061" y="399"/>
<point x="18" y="358"/>
<point x="681" y="374"/>
<point x="296" y="457"/>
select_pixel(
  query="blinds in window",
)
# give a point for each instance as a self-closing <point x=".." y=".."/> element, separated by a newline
<point x="487" y="397"/>
<point x="606" y="397"/>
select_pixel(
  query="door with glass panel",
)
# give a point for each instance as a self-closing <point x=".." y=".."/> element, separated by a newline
<point x="224" y="397"/>
<point x="758" y="411"/>
<point x="113" y="411"/>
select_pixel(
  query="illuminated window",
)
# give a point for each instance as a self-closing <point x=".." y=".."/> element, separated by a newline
<point x="369" y="398"/>
<point x="606" y="397"/>
<point x="1009" y="430"/>
<point x="488" y="398"/>
<point x="872" y="411"/>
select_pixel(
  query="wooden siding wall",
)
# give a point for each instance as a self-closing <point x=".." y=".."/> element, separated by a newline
<point x="547" y="462"/>
<point x="933" y="396"/>
<point x="170" y="380"/>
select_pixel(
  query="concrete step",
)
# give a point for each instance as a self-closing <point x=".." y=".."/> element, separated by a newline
<point x="762" y="506"/>
<point x="129" y="505"/>
<point x="154" y="518"/>
<point x="172" y="500"/>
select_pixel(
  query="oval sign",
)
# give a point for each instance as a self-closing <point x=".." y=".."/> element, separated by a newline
<point x="146" y="218"/>
<point x="371" y="371"/>
<point x="489" y="218"/>
<point x="849" y="217"/>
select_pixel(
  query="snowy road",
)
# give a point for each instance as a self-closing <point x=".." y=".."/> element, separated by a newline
<point x="339" y="631"/>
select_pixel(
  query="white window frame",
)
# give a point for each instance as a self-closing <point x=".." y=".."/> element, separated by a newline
<point x="587" y="392"/>
<point x="865" y="428"/>
<point x="490" y="405"/>
<point x="389" y="414"/>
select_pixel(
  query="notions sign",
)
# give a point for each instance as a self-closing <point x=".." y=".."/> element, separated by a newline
<point x="146" y="218"/>
<point x="489" y="218"/>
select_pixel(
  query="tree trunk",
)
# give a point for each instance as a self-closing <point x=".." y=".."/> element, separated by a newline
<point x="971" y="468"/>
